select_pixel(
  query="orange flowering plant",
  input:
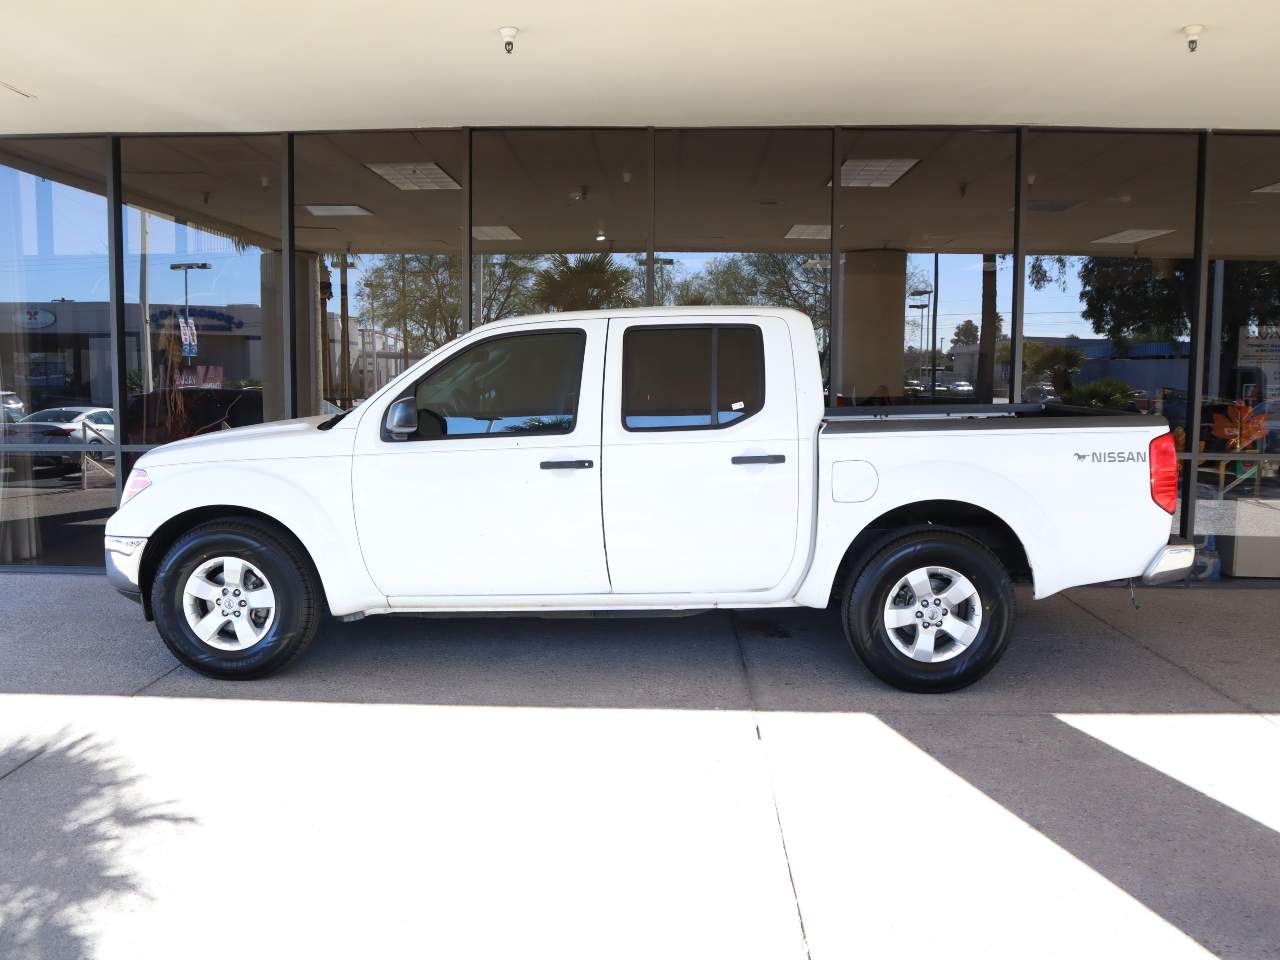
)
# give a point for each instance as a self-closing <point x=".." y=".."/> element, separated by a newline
<point x="1240" y="426"/>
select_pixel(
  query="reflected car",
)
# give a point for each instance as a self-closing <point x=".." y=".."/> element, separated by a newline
<point x="165" y="415"/>
<point x="1040" y="393"/>
<point x="11" y="407"/>
<point x="63" y="425"/>
<point x="962" y="387"/>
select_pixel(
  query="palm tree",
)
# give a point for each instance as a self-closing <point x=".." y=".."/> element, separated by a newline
<point x="587" y="281"/>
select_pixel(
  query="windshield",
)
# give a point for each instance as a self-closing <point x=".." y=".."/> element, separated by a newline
<point x="51" y="416"/>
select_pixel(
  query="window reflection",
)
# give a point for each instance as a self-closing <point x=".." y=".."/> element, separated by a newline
<point x="926" y="235"/>
<point x="744" y="217"/>
<point x="204" y="341"/>
<point x="1110" y="222"/>
<point x="559" y="221"/>
<point x="377" y="231"/>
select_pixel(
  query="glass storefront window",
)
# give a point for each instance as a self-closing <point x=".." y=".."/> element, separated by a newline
<point x="926" y="233"/>
<point x="558" y="221"/>
<point x="204" y="341"/>
<point x="1238" y="500"/>
<point x="377" y="231"/>
<point x="744" y="217"/>
<point x="1110" y="233"/>
<point x="55" y="352"/>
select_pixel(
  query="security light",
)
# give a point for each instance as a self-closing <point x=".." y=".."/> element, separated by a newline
<point x="1136" y="235"/>
<point x="419" y="175"/>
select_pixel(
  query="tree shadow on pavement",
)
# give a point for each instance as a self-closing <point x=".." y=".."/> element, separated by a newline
<point x="65" y="813"/>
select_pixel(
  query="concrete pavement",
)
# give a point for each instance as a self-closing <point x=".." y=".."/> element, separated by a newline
<point x="719" y="785"/>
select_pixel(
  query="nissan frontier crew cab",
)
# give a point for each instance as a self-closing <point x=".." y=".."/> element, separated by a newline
<point x="642" y="460"/>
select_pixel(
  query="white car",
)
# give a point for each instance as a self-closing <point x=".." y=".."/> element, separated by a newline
<point x="641" y="460"/>
<point x="74" y="424"/>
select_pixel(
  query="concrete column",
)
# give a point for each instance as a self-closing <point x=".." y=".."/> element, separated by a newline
<point x="272" y="368"/>
<point x="875" y="286"/>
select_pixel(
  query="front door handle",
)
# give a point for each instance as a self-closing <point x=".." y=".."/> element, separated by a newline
<point x="567" y="464"/>
<point x="761" y="458"/>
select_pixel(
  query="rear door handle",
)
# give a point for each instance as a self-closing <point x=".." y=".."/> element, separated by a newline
<point x="761" y="458"/>
<point x="567" y="464"/>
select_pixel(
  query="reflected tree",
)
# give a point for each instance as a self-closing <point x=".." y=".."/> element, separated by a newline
<point x="60" y="843"/>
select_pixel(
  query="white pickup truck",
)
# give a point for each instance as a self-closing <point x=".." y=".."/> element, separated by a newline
<point x="642" y="460"/>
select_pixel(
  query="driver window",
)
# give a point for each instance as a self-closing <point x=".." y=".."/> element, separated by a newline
<point x="523" y="383"/>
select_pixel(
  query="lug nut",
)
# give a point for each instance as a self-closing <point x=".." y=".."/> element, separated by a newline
<point x="936" y="601"/>
<point x="919" y="614"/>
<point x="236" y="592"/>
<point x="225" y="591"/>
<point x="926" y="624"/>
<point x="242" y="603"/>
<point x="237" y="613"/>
<point x="943" y="613"/>
<point x="924" y="603"/>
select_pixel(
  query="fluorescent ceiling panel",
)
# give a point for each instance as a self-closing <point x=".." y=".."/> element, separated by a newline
<point x="1269" y="188"/>
<point x="1137" y="235"/>
<point x="873" y="172"/>
<point x="421" y="175"/>
<point x="809" y="231"/>
<point x="336" y="210"/>
<point x="494" y="233"/>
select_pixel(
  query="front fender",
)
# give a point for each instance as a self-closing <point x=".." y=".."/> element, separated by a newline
<point x="312" y="500"/>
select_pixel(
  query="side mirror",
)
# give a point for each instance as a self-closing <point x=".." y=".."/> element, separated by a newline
<point x="402" y="418"/>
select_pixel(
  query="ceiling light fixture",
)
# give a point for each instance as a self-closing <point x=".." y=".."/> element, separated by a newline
<point x="417" y="175"/>
<point x="494" y="233"/>
<point x="508" y="35"/>
<point x="873" y="172"/>
<point x="600" y="237"/>
<point x="337" y="210"/>
<point x="809" y="231"/>
<point x="1135" y="235"/>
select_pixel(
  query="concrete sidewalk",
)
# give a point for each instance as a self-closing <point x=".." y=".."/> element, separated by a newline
<point x="714" y="786"/>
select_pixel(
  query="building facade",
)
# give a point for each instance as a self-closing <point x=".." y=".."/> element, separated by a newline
<point x="187" y="283"/>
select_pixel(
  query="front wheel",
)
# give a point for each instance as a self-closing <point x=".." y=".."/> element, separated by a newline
<point x="931" y="611"/>
<point x="235" y="600"/>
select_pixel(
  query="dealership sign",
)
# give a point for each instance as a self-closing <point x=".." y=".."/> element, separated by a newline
<point x="34" y="319"/>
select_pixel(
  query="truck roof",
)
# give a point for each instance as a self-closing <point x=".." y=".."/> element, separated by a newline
<point x="628" y="312"/>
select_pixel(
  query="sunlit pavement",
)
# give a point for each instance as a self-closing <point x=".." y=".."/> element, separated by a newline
<point x="716" y="786"/>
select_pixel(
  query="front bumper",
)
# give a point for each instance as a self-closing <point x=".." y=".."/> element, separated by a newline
<point x="1170" y="564"/>
<point x="124" y="560"/>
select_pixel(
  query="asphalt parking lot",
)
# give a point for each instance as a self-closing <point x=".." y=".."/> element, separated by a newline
<point x="725" y="785"/>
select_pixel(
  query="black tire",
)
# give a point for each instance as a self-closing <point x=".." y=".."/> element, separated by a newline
<point x="865" y="596"/>
<point x="298" y="603"/>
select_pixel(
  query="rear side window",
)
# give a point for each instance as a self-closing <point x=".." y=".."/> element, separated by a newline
<point x="691" y="377"/>
<point x="524" y="383"/>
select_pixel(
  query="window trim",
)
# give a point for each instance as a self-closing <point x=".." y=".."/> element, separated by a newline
<point x="715" y="329"/>
<point x="412" y="389"/>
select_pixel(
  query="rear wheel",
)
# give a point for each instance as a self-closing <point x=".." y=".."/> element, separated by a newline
<point x="235" y="600"/>
<point x="931" y="611"/>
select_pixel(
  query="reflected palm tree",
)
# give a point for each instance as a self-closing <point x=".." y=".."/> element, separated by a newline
<point x="588" y="281"/>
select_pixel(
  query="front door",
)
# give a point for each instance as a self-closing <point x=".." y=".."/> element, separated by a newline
<point x="498" y="492"/>
<point x="700" y="455"/>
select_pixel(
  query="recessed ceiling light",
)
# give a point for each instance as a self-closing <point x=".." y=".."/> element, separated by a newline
<point x="873" y="172"/>
<point x="600" y="237"/>
<point x="494" y="233"/>
<point x="337" y="210"/>
<point x="420" y="175"/>
<point x="1136" y="235"/>
<point x="1269" y="188"/>
<point x="809" y="231"/>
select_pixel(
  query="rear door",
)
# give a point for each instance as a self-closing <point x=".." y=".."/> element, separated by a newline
<point x="700" y="455"/>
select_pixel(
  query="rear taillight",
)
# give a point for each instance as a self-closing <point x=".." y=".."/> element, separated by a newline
<point x="137" y="482"/>
<point x="1162" y="458"/>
